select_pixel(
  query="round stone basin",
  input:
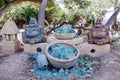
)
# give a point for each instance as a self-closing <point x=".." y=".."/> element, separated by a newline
<point x="62" y="63"/>
<point x="64" y="36"/>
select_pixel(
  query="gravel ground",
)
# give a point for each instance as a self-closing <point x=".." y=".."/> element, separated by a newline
<point x="15" y="67"/>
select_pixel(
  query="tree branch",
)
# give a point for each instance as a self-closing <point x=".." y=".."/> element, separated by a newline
<point x="80" y="27"/>
<point x="57" y="27"/>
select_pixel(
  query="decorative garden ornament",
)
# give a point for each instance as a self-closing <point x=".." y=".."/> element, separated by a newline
<point x="99" y="34"/>
<point x="33" y="32"/>
<point x="42" y="59"/>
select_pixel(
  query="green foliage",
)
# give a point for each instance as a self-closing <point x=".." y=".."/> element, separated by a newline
<point x="48" y="13"/>
<point x="8" y="1"/>
<point x="99" y="6"/>
<point x="76" y="9"/>
<point x="2" y="3"/>
<point x="74" y="18"/>
<point x="86" y="57"/>
<point x="82" y="3"/>
<point x="29" y="11"/>
<point x="55" y="12"/>
<point x="25" y="10"/>
<point x="58" y="14"/>
<point x="22" y="11"/>
<point x="50" y="3"/>
<point x="90" y="18"/>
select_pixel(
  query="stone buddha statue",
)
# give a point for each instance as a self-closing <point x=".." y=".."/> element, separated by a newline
<point x="99" y="34"/>
<point x="33" y="32"/>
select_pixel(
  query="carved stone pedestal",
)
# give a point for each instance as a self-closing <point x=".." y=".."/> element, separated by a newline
<point x="31" y="48"/>
<point x="9" y="47"/>
<point x="74" y="41"/>
<point x="94" y="50"/>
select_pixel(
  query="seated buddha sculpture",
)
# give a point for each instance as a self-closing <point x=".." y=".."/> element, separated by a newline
<point x="33" y="32"/>
<point x="99" y="34"/>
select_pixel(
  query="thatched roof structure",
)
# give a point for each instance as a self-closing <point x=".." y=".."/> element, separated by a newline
<point x="9" y="28"/>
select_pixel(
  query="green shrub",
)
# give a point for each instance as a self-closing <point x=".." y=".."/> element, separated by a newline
<point x="8" y="1"/>
<point x="2" y="3"/>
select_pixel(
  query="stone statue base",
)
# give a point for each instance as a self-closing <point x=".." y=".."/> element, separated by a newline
<point x="9" y="47"/>
<point x="31" y="48"/>
<point x="74" y="41"/>
<point x="93" y="49"/>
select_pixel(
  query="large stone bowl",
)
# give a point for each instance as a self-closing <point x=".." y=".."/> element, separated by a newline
<point x="60" y="63"/>
<point x="64" y="36"/>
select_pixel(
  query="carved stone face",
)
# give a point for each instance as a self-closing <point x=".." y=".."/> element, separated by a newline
<point x="33" y="21"/>
<point x="98" y="21"/>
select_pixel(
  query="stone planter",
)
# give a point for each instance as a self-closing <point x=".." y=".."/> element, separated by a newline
<point x="60" y="63"/>
<point x="116" y="46"/>
<point x="64" y="36"/>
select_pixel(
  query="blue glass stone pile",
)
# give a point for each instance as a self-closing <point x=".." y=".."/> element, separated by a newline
<point x="85" y="67"/>
<point x="64" y="29"/>
<point x="62" y="52"/>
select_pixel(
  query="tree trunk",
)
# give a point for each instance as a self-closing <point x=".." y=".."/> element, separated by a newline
<point x="41" y="14"/>
<point x="115" y="20"/>
<point x="112" y="18"/>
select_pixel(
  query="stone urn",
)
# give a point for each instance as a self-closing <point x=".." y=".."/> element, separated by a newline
<point x="64" y="36"/>
<point x="64" y="33"/>
<point x="61" y="63"/>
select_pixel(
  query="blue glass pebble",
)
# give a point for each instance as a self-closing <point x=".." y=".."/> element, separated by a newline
<point x="82" y="69"/>
<point x="64" y="29"/>
<point x="61" y="52"/>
